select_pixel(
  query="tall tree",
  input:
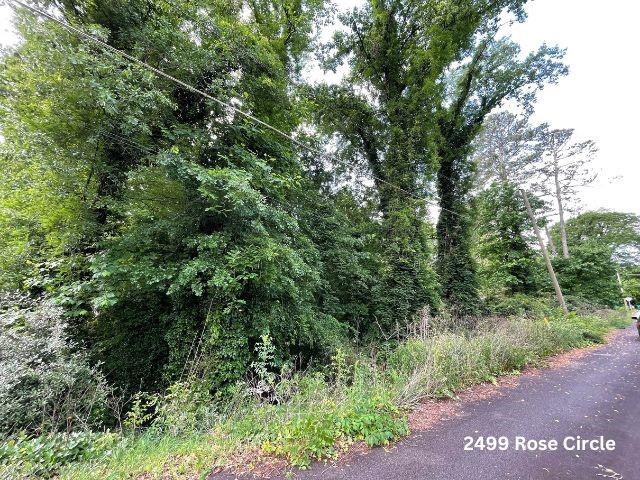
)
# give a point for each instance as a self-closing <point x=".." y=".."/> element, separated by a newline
<point x="505" y="149"/>
<point x="182" y="228"/>
<point x="289" y="25"/>
<point x="398" y="52"/>
<point x="618" y="231"/>
<point x="564" y="168"/>
<point x="492" y="72"/>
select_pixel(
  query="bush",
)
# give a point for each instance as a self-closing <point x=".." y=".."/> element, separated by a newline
<point x="376" y="420"/>
<point x="589" y="273"/>
<point x="521" y="305"/>
<point x="315" y="432"/>
<point x="42" y="457"/>
<point x="48" y="385"/>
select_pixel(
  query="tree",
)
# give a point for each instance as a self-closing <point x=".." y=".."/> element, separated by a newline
<point x="398" y="52"/>
<point x="491" y="73"/>
<point x="505" y="149"/>
<point x="589" y="274"/>
<point x="508" y="264"/>
<point x="289" y="25"/>
<point x="616" y="230"/>
<point x="185" y="234"/>
<point x="631" y="281"/>
<point x="62" y="114"/>
<point x="382" y="114"/>
<point x="563" y="168"/>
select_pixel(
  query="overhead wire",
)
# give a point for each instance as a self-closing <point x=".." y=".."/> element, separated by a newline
<point x="222" y="103"/>
<point x="150" y="151"/>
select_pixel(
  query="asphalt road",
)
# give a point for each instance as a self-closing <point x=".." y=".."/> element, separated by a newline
<point x="597" y="395"/>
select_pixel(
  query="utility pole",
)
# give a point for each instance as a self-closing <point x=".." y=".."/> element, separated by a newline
<point x="545" y="254"/>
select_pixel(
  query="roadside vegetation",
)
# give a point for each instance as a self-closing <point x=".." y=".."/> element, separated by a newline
<point x="184" y="288"/>
<point x="310" y="415"/>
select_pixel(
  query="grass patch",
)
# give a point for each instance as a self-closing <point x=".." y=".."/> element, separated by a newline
<point x="150" y="455"/>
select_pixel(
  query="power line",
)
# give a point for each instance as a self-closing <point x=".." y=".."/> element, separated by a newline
<point x="150" y="151"/>
<point x="222" y="103"/>
<point x="161" y="73"/>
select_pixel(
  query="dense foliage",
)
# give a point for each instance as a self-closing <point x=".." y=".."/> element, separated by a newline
<point x="620" y="232"/>
<point x="605" y="247"/>
<point x="171" y="258"/>
<point x="47" y="384"/>
<point x="589" y="273"/>
<point x="508" y="264"/>
<point x="169" y="200"/>
<point x="127" y="191"/>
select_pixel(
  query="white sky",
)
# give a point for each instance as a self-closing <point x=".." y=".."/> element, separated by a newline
<point x="599" y="97"/>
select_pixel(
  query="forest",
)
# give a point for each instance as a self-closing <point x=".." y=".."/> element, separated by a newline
<point x="210" y="253"/>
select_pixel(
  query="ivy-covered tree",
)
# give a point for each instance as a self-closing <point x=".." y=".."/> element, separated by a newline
<point x="390" y="117"/>
<point x="173" y="222"/>
<point x="491" y="72"/>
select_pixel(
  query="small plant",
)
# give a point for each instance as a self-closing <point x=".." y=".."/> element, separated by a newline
<point x="374" y="420"/>
<point x="264" y="366"/>
<point x="181" y="410"/>
<point x="317" y="431"/>
<point x="142" y="412"/>
<point x="309" y="435"/>
<point x="339" y="368"/>
<point x="42" y="457"/>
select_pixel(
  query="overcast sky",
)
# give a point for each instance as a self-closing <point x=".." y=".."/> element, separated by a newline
<point x="599" y="98"/>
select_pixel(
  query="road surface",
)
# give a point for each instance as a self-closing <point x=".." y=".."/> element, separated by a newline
<point x="597" y="395"/>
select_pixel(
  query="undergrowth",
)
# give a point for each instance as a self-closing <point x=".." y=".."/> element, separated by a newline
<point x="309" y="415"/>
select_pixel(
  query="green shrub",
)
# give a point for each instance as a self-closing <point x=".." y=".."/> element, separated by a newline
<point x="42" y="457"/>
<point x="520" y="305"/>
<point x="309" y="435"/>
<point x="407" y="355"/>
<point x="47" y="384"/>
<point x="374" y="420"/>
<point x="314" y="433"/>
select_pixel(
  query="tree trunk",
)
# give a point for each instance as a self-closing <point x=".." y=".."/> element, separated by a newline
<point x="563" y="231"/>
<point x="545" y="254"/>
<point x="552" y="244"/>
<point x="455" y="263"/>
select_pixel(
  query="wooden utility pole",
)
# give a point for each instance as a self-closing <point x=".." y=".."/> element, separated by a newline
<point x="545" y="254"/>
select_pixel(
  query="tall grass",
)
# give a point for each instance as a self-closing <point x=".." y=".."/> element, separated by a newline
<point x="318" y="414"/>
